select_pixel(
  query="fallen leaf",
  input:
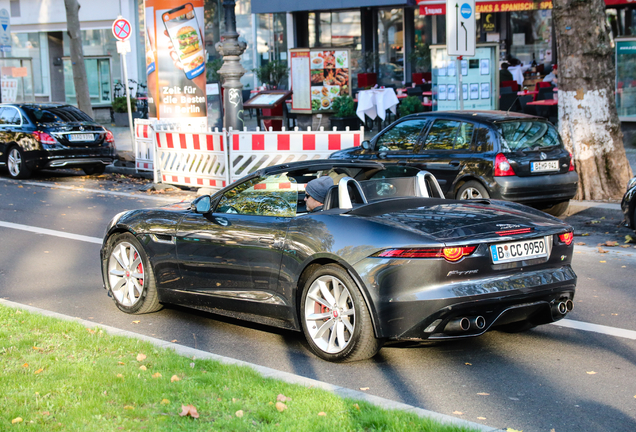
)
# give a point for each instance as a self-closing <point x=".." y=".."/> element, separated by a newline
<point x="120" y="376"/>
<point x="513" y="430"/>
<point x="174" y="378"/>
<point x="601" y="250"/>
<point x="629" y="239"/>
<point x="141" y="357"/>
<point x="591" y="373"/>
<point x="364" y="388"/>
<point x="483" y="394"/>
<point x="128" y="407"/>
<point x="174" y="340"/>
<point x="468" y="364"/>
<point x="322" y="414"/>
<point x="481" y="418"/>
<point x="281" y="406"/>
<point x="458" y="413"/>
<point x="26" y="365"/>
<point x="38" y="371"/>
<point x="239" y="413"/>
<point x="121" y="363"/>
<point x="282" y="398"/>
<point x="45" y="413"/>
<point x="585" y="234"/>
<point x="36" y="348"/>
<point x="625" y="246"/>
<point x="142" y="367"/>
<point x="164" y="402"/>
<point x="580" y="243"/>
<point x="602" y="261"/>
<point x="189" y="410"/>
<point x="356" y="406"/>
<point x="595" y="222"/>
<point x="610" y="243"/>
<point x="16" y="420"/>
<point x="156" y="375"/>
<point x="136" y="322"/>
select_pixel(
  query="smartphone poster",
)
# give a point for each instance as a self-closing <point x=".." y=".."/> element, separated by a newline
<point x="175" y="33"/>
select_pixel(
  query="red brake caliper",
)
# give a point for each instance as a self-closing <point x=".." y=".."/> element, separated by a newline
<point x="140" y="270"/>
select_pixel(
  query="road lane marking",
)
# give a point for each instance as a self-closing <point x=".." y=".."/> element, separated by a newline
<point x="596" y="328"/>
<point x="578" y="325"/>
<point x="82" y="189"/>
<point x="55" y="233"/>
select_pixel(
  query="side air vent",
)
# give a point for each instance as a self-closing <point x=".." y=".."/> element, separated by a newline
<point x="162" y="238"/>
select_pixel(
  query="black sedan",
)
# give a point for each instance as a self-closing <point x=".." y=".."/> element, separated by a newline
<point x="628" y="205"/>
<point x="479" y="154"/>
<point x="386" y="259"/>
<point x="36" y="136"/>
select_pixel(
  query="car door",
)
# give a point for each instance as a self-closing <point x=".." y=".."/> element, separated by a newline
<point x="445" y="151"/>
<point x="10" y="121"/>
<point x="395" y="145"/>
<point x="235" y="252"/>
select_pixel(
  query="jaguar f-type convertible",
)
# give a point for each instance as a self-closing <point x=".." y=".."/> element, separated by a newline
<point x="385" y="259"/>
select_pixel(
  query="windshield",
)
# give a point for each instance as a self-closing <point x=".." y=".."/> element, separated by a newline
<point x="56" y="114"/>
<point x="527" y="135"/>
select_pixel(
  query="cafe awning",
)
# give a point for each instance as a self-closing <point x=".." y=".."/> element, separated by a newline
<point x="438" y="7"/>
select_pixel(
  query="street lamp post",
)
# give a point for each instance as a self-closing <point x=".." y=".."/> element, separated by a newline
<point x="232" y="70"/>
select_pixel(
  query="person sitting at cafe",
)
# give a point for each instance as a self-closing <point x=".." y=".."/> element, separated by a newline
<point x="552" y="76"/>
<point x="517" y="69"/>
<point x="504" y="73"/>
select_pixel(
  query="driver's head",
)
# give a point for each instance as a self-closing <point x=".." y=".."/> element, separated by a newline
<point x="316" y="191"/>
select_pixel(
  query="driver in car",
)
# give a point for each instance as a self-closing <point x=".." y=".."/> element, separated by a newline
<point x="315" y="193"/>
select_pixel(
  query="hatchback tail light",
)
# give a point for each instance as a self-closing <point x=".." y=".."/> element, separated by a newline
<point x="451" y="254"/>
<point x="502" y="166"/>
<point x="45" y="139"/>
<point x="109" y="138"/>
<point x="566" y="238"/>
<point x="571" y="162"/>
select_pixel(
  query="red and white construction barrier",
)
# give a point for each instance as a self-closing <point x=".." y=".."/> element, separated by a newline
<point x="144" y="146"/>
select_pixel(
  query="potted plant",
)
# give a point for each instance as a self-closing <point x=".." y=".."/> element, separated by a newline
<point x="410" y="105"/>
<point x="273" y="73"/>
<point x="120" y="110"/>
<point x="367" y="63"/>
<point x="420" y="59"/>
<point x="344" y="113"/>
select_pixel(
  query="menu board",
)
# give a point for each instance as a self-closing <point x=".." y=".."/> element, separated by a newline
<point x="328" y="78"/>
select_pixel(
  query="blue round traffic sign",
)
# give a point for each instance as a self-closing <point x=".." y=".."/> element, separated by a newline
<point x="466" y="11"/>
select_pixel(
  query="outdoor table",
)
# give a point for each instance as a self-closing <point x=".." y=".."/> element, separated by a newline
<point x="527" y="92"/>
<point x="545" y="102"/>
<point x="375" y="102"/>
<point x="546" y="108"/>
<point x="427" y="93"/>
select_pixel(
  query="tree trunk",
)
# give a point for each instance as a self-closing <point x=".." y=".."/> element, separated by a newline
<point x="77" y="57"/>
<point x="588" y="120"/>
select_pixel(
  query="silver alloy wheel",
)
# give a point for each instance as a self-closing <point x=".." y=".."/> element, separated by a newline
<point x="14" y="162"/>
<point x="126" y="274"/>
<point x="330" y="315"/>
<point x="470" y="193"/>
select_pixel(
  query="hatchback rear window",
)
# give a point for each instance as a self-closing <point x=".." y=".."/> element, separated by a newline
<point x="60" y="114"/>
<point x="527" y="135"/>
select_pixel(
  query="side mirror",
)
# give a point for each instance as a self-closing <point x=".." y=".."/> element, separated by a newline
<point x="203" y="205"/>
<point x="366" y="145"/>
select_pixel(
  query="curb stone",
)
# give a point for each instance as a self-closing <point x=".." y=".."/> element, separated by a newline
<point x="265" y="371"/>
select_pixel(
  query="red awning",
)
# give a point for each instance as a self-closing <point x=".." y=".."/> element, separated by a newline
<point x="438" y="7"/>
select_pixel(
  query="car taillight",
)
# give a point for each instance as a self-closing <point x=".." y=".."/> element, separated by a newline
<point x="109" y="138"/>
<point x="502" y="166"/>
<point x="45" y="138"/>
<point x="566" y="238"/>
<point x="451" y="254"/>
<point x="571" y="162"/>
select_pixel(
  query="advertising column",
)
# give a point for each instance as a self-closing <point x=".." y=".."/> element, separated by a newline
<point x="175" y="61"/>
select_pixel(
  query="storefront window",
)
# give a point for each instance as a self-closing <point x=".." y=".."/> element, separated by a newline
<point x="34" y="45"/>
<point x="531" y="36"/>
<point x="271" y="38"/>
<point x="420" y="59"/>
<point x="99" y="82"/>
<point x="391" y="47"/>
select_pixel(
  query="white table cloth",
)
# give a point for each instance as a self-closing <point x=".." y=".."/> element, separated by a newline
<point x="375" y="102"/>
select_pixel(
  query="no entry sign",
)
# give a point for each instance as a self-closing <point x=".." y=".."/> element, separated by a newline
<point x="122" y="29"/>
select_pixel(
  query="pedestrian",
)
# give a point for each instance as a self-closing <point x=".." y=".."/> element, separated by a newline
<point x="316" y="192"/>
<point x="504" y="73"/>
<point x="552" y="77"/>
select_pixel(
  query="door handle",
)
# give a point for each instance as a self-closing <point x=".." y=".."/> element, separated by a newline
<point x="454" y="163"/>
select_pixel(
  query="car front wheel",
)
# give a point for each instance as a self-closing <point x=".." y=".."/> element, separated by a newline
<point x="128" y="276"/>
<point x="335" y="318"/>
<point x="16" y="164"/>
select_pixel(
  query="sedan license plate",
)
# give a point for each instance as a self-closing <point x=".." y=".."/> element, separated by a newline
<point x="540" y="166"/>
<point x="519" y="250"/>
<point x="81" y="137"/>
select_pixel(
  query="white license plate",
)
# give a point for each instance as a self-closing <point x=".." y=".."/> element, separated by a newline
<point x="81" y="137"/>
<point x="519" y="250"/>
<point x="551" y="165"/>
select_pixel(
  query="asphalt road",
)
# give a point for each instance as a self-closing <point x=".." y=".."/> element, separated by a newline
<point x="551" y="377"/>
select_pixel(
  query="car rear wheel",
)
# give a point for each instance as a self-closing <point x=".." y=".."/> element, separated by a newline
<point x="557" y="209"/>
<point x="16" y="164"/>
<point x="128" y="276"/>
<point x="472" y="190"/>
<point x="335" y="317"/>
<point x="94" y="169"/>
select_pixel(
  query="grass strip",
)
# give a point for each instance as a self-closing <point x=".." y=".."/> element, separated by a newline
<point x="60" y="375"/>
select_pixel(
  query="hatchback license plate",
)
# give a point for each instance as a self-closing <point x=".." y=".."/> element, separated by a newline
<point x="81" y="137"/>
<point x="519" y="250"/>
<point x="551" y="165"/>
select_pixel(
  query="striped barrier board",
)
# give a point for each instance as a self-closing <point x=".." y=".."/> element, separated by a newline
<point x="144" y="147"/>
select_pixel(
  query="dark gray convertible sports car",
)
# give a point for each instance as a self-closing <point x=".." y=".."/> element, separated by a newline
<point x="386" y="258"/>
